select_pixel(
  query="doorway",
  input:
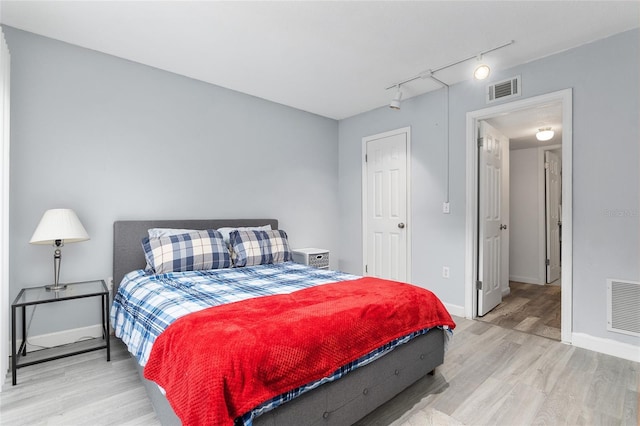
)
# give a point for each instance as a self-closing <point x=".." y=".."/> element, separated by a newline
<point x="562" y="98"/>
<point x="531" y="292"/>
<point x="532" y="173"/>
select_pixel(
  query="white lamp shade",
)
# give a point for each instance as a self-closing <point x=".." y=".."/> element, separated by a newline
<point x="59" y="224"/>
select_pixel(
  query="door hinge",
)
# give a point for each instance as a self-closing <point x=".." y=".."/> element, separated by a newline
<point x="480" y="142"/>
<point x="366" y="158"/>
<point x="366" y="269"/>
<point x="547" y="262"/>
<point x="478" y="285"/>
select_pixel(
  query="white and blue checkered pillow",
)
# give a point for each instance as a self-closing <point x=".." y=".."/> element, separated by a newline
<point x="192" y="251"/>
<point x="259" y="247"/>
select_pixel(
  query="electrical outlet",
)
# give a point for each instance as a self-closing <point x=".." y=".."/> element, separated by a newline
<point x="445" y="208"/>
<point x="445" y="272"/>
<point x="110" y="283"/>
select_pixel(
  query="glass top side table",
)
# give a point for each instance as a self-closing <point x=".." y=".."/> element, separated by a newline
<point x="32" y="296"/>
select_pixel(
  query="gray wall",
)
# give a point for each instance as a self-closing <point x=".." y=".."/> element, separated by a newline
<point x="114" y="139"/>
<point x="604" y="78"/>
<point x="524" y="216"/>
<point x="437" y="239"/>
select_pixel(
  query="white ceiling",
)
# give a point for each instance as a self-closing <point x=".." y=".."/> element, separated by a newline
<point x="332" y="58"/>
<point x="520" y="127"/>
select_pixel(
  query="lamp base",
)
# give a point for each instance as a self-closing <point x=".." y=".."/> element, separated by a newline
<point x="55" y="287"/>
<point x="57" y="257"/>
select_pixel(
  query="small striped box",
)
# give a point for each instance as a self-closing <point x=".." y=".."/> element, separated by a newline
<point x="315" y="257"/>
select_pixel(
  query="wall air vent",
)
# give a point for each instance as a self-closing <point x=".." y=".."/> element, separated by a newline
<point x="623" y="300"/>
<point x="504" y="89"/>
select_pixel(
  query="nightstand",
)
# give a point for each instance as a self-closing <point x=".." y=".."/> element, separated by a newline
<point x="39" y="295"/>
<point x="318" y="258"/>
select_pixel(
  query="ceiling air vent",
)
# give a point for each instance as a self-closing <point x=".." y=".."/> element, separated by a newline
<point x="503" y="89"/>
<point x="623" y="299"/>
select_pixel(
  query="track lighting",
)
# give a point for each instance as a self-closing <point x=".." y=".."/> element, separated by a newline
<point x="544" y="134"/>
<point x="395" y="103"/>
<point x="481" y="72"/>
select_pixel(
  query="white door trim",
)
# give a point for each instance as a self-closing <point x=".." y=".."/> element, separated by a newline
<point x="407" y="131"/>
<point x="565" y="96"/>
<point x="5" y="110"/>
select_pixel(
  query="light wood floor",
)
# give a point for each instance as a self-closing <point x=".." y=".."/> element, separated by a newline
<point x="79" y="390"/>
<point x="531" y="308"/>
<point x="491" y="376"/>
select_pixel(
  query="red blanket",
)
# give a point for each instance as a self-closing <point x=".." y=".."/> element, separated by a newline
<point x="219" y="363"/>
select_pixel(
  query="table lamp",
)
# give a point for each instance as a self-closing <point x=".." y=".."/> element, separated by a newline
<point x="58" y="226"/>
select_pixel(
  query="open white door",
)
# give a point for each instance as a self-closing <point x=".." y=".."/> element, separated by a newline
<point x="491" y="214"/>
<point x="386" y="240"/>
<point x="552" y="203"/>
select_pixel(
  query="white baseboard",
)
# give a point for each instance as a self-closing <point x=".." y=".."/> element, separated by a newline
<point x="454" y="309"/>
<point x="526" y="280"/>
<point x="62" y="337"/>
<point x="606" y="346"/>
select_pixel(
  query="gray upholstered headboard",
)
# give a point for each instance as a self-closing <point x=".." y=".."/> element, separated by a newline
<point x="127" y="235"/>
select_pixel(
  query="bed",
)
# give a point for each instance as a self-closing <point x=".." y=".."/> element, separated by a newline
<point x="334" y="402"/>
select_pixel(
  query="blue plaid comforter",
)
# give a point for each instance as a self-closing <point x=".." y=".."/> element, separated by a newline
<point x="146" y="304"/>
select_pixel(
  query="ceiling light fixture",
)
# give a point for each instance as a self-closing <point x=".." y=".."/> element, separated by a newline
<point x="395" y="103"/>
<point x="544" y="134"/>
<point x="480" y="72"/>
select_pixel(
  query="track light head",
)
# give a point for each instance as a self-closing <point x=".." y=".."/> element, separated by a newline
<point x="395" y="103"/>
<point x="481" y="72"/>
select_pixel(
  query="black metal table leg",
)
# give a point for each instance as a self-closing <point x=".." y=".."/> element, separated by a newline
<point x="14" y="354"/>
<point x="24" y="330"/>
<point x="105" y="324"/>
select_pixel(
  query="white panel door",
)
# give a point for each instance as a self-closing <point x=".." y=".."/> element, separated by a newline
<point x="386" y="197"/>
<point x="552" y="204"/>
<point x="505" y="172"/>
<point x="491" y="218"/>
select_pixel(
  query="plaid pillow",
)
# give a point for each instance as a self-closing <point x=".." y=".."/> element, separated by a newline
<point x="259" y="247"/>
<point x="193" y="251"/>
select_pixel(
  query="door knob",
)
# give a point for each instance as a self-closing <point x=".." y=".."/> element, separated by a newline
<point x="503" y="226"/>
<point x="401" y="225"/>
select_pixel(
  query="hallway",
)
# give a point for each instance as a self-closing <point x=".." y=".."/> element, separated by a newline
<point x="530" y="308"/>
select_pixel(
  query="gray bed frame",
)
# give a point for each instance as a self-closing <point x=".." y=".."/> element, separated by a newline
<point x="341" y="402"/>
